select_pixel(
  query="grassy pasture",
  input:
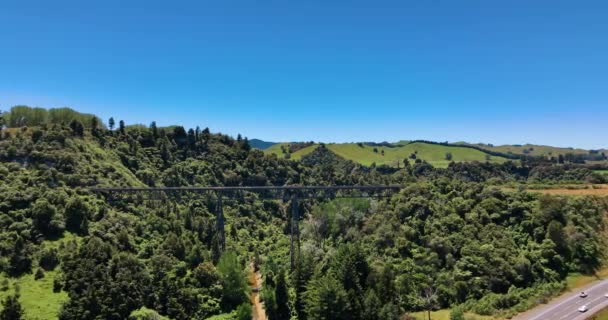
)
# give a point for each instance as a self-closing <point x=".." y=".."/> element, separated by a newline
<point x="534" y="150"/>
<point x="365" y="154"/>
<point x="276" y="149"/>
<point x="37" y="296"/>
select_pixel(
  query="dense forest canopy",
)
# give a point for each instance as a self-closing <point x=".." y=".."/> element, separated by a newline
<point x="450" y="238"/>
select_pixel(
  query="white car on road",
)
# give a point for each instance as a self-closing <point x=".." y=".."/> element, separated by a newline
<point x="583" y="309"/>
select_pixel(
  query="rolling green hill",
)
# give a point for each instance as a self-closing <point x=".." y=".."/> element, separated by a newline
<point x="276" y="149"/>
<point x="364" y="154"/>
<point x="432" y="153"/>
<point x="66" y="252"/>
<point x="532" y="149"/>
<point x="260" y="144"/>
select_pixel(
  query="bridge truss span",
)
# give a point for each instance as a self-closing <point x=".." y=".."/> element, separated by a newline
<point x="292" y="194"/>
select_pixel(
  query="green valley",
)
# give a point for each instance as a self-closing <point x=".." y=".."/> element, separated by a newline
<point x="461" y="237"/>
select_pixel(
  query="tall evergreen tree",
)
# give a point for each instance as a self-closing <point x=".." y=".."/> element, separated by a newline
<point x="154" y="130"/>
<point x="233" y="281"/>
<point x="326" y="299"/>
<point x="111" y="123"/>
<point x="197" y="132"/>
<point x="191" y="138"/>
<point x="282" y="298"/>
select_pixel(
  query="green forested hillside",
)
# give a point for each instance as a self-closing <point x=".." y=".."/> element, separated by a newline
<point x="449" y="238"/>
<point x="260" y="144"/>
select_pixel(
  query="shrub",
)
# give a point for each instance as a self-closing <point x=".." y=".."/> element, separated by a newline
<point x="4" y="285"/>
<point x="39" y="274"/>
<point x="457" y="314"/>
<point x="145" y="314"/>
<point x="243" y="312"/>
<point x="57" y="285"/>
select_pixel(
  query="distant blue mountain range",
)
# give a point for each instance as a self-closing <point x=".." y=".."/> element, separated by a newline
<point x="260" y="144"/>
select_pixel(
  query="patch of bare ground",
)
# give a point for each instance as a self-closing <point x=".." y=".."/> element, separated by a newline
<point x="590" y="190"/>
<point x="578" y="190"/>
<point x="255" y="280"/>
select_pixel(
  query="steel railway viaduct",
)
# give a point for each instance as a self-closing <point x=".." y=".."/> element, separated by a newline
<point x="292" y="194"/>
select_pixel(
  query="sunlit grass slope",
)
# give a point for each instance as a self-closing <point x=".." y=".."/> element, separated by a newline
<point x="276" y="149"/>
<point x="37" y="296"/>
<point x="365" y="154"/>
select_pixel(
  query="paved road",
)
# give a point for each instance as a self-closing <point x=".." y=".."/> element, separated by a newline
<point x="566" y="307"/>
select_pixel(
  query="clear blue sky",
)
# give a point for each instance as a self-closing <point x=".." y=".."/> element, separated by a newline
<point x="475" y="70"/>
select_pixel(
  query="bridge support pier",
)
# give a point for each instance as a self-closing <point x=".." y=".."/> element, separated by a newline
<point x="284" y="193"/>
<point x="294" y="248"/>
<point x="219" y="224"/>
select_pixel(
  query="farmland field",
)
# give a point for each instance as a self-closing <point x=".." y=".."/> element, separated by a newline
<point x="579" y="190"/>
<point x="533" y="150"/>
<point x="276" y="149"/>
<point x="365" y="154"/>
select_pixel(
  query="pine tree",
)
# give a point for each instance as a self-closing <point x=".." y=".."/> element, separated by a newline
<point x="233" y="281"/>
<point x="191" y="138"/>
<point x="326" y="299"/>
<point x="111" y="123"/>
<point x="154" y="130"/>
<point x="301" y="276"/>
<point x="282" y="298"/>
<point x="197" y="132"/>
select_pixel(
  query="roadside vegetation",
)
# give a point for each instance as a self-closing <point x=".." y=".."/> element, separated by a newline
<point x="602" y="315"/>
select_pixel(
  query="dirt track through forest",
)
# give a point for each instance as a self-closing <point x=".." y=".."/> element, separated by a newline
<point x="255" y="279"/>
